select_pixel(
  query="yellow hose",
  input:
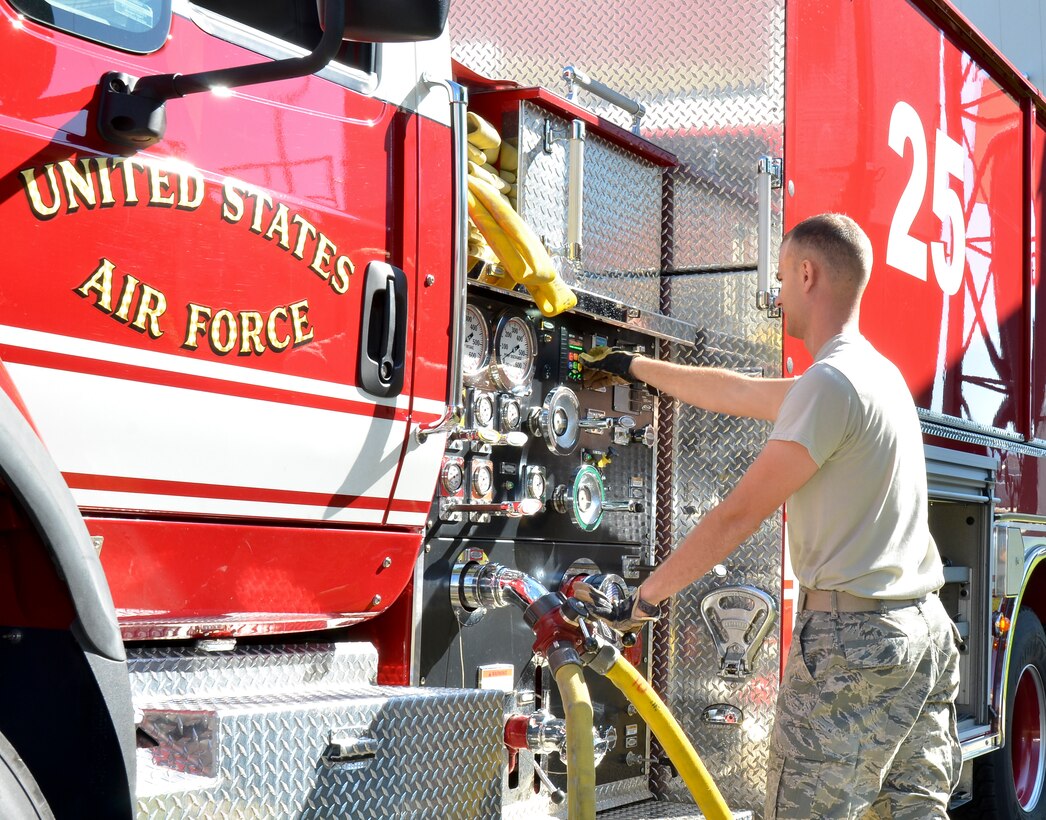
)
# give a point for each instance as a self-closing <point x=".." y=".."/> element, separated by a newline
<point x="679" y="750"/>
<point x="581" y="759"/>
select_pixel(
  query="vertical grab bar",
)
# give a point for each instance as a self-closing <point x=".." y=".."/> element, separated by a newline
<point x="768" y="177"/>
<point x="455" y="411"/>
<point x="576" y="193"/>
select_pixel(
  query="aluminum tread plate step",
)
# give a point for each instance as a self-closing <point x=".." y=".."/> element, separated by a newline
<point x="169" y="672"/>
<point x="302" y="733"/>
<point x="661" y="810"/>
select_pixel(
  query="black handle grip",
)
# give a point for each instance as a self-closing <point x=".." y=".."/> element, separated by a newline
<point x="383" y="330"/>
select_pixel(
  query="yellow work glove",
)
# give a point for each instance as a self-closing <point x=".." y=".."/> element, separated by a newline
<point x="606" y="366"/>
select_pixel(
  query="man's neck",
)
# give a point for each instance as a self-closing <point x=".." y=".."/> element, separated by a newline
<point x="819" y="334"/>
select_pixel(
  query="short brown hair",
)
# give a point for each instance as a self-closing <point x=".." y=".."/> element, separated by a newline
<point x="840" y="243"/>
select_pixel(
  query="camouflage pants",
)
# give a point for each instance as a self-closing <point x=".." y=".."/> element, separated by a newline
<point x="865" y="725"/>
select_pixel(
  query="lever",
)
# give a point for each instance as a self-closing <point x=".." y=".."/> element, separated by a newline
<point x="509" y="509"/>
<point x="632" y="505"/>
<point x="515" y="438"/>
<point x="598" y="425"/>
<point x="556" y="795"/>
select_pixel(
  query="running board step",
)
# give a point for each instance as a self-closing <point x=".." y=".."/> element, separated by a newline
<point x="304" y="733"/>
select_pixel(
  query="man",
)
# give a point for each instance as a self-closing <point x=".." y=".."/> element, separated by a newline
<point x="865" y="722"/>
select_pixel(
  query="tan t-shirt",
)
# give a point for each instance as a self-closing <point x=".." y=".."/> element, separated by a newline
<point x="859" y="524"/>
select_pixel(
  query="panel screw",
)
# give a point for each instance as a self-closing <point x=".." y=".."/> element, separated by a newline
<point x="386" y="563"/>
<point x="430" y="280"/>
<point x="375" y="600"/>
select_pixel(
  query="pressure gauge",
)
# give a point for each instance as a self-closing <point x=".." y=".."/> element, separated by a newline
<point x="476" y="345"/>
<point x="482" y="409"/>
<point x="515" y="345"/>
<point x="452" y="476"/>
<point x="482" y="479"/>
<point x="509" y="413"/>
<point x="536" y="483"/>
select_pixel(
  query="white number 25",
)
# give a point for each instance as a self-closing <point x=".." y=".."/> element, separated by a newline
<point x="904" y="251"/>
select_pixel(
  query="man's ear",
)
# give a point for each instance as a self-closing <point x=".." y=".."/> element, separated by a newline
<point x="808" y="274"/>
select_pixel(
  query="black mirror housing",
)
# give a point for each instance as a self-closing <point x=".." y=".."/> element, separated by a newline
<point x="392" y="21"/>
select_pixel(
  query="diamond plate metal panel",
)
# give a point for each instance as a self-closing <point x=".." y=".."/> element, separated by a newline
<point x="182" y="671"/>
<point x="630" y="474"/>
<point x="711" y="453"/>
<point x="430" y="748"/>
<point x="710" y="72"/>
<point x="621" y="232"/>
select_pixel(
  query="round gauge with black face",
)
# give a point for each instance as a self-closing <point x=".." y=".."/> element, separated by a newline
<point x="475" y="348"/>
<point x="515" y="346"/>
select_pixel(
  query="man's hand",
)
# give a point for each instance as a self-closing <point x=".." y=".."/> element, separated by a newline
<point x="628" y="615"/>
<point x="605" y="366"/>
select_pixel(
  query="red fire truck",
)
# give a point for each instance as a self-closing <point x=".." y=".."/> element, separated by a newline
<point x="288" y="471"/>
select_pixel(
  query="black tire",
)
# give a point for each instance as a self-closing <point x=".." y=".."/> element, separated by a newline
<point x="20" y="797"/>
<point x="994" y="790"/>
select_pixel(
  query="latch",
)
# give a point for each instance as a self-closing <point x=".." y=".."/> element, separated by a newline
<point x="345" y="746"/>
<point x="739" y="619"/>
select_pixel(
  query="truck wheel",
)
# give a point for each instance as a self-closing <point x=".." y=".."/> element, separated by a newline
<point x="19" y="795"/>
<point x="1009" y="784"/>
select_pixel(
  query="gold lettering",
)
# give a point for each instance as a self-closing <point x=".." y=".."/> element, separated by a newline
<point x="151" y="306"/>
<point x="302" y="333"/>
<point x="259" y="197"/>
<point x="343" y="269"/>
<point x="101" y="283"/>
<point x="279" y="224"/>
<point x="130" y="284"/>
<point x="305" y="230"/>
<point x="270" y="329"/>
<point x="158" y="183"/>
<point x="105" y="185"/>
<point x="198" y="317"/>
<point x="251" y="325"/>
<point x="79" y="188"/>
<point x="32" y="191"/>
<point x="223" y="317"/>
<point x="324" y="248"/>
<point x="127" y="166"/>
<point x="187" y="201"/>
<point x="232" y="207"/>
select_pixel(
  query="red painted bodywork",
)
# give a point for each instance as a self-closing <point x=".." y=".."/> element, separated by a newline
<point x="960" y="354"/>
<point x="348" y="164"/>
<point x="969" y="355"/>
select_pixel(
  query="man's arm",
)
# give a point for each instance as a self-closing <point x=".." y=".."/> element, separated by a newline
<point x="781" y="469"/>
<point x="713" y="388"/>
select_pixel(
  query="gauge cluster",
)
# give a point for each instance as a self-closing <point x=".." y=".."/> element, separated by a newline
<point x="533" y="431"/>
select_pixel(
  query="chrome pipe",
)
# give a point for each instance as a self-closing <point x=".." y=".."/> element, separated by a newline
<point x="575" y="76"/>
<point x="576" y="191"/>
<point x="459" y="98"/>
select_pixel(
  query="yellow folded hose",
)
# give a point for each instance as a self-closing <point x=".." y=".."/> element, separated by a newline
<point x="483" y="135"/>
<point x="581" y="759"/>
<point x="679" y="750"/>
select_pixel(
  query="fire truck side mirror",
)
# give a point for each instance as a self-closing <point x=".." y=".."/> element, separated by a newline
<point x="392" y="21"/>
<point x="132" y="110"/>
